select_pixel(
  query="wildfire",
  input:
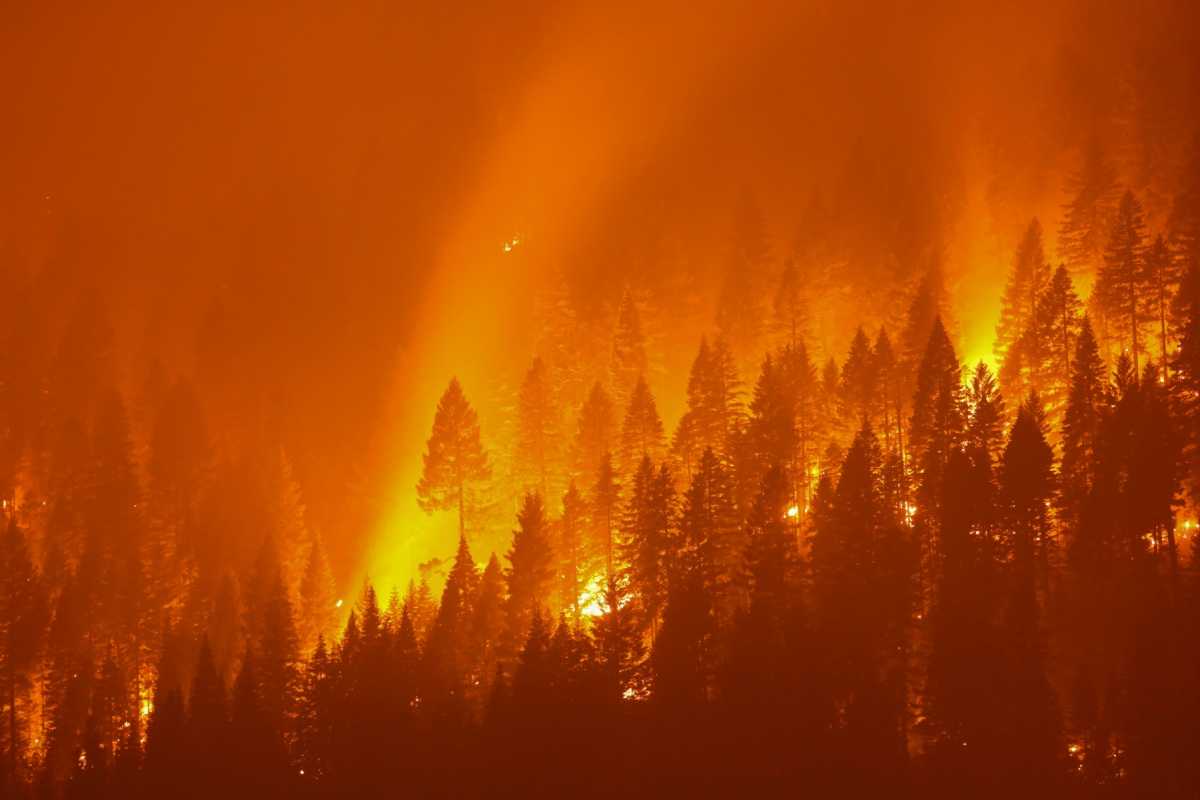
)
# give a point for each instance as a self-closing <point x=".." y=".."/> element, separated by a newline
<point x="591" y="600"/>
<point x="793" y="511"/>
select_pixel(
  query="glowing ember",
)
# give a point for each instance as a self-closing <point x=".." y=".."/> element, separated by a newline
<point x="793" y="511"/>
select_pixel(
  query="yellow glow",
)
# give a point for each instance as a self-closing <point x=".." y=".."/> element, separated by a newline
<point x="591" y="599"/>
<point x="338" y="604"/>
<point x="793" y="512"/>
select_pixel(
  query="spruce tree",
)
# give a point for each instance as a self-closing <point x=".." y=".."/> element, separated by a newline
<point x="642" y="431"/>
<point x="454" y="459"/>
<point x="629" y="362"/>
<point x="1027" y="279"/>
<point x="596" y="434"/>
<point x="530" y="575"/>
<point x="1121" y="288"/>
<point x="537" y="428"/>
<point x="1092" y="193"/>
<point x="647" y="530"/>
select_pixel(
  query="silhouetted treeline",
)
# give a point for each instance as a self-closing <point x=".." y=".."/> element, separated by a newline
<point x="891" y="573"/>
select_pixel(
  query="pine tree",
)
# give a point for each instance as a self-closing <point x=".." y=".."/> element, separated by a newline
<point x="22" y="622"/>
<point x="1162" y="278"/>
<point x="925" y="312"/>
<point x="740" y="304"/>
<point x="596" y="433"/>
<point x="318" y="611"/>
<point x="314" y="739"/>
<point x="487" y="624"/>
<point x="858" y="386"/>
<point x="1026" y="474"/>
<point x="790" y="321"/>
<point x="207" y="722"/>
<point x="575" y="559"/>
<point x="1058" y="322"/>
<point x="447" y="648"/>
<point x="1121" y="288"/>
<point x="537" y="427"/>
<point x="1027" y="728"/>
<point x="454" y="458"/>
<point x="1086" y="215"/>
<point x="985" y="413"/>
<point x="709" y="536"/>
<point x="1027" y="279"/>
<point x="937" y="429"/>
<point x="629" y="362"/>
<point x="713" y="398"/>
<point x="862" y="570"/>
<point x="642" y="432"/>
<point x="605" y="507"/>
<point x="530" y="575"/>
<point x="647" y="530"/>
<point x="1081" y="427"/>
<point x="963" y="624"/>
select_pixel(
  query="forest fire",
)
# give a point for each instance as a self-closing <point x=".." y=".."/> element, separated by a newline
<point x="563" y="399"/>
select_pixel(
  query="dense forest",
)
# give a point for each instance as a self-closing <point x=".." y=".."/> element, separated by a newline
<point x="892" y="571"/>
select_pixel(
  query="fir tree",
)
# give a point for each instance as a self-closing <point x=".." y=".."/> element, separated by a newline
<point x="454" y="457"/>
<point x="647" y="531"/>
<point x="1092" y="192"/>
<point x="1121" y="286"/>
<point x="317" y="603"/>
<point x="596" y="434"/>
<point x="642" y="432"/>
<point x="537" y="427"/>
<point x="629" y="362"/>
<point x="1027" y="279"/>
<point x="530" y="575"/>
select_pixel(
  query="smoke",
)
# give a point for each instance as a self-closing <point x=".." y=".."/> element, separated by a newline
<point x="341" y="180"/>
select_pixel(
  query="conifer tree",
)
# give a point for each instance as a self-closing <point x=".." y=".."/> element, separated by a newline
<point x="709" y="536"/>
<point x="605" y="512"/>
<point x="647" y="530"/>
<point x="22" y="622"/>
<point x="740" y="303"/>
<point x="487" y="623"/>
<point x="447" y="648"/>
<point x="1086" y="403"/>
<point x="1092" y="193"/>
<point x="454" y="459"/>
<point x="629" y="362"/>
<point x="207" y="720"/>
<point x="1162" y="278"/>
<point x="530" y="575"/>
<point x="317" y="603"/>
<point x="791" y="318"/>
<point x="537" y="427"/>
<point x="985" y="413"/>
<point x="1058" y="321"/>
<point x="1026" y="473"/>
<point x="937" y="429"/>
<point x="1027" y="279"/>
<point x="1183" y="224"/>
<point x="1121" y="285"/>
<point x="575" y="559"/>
<point x="642" y="432"/>
<point x="596" y="434"/>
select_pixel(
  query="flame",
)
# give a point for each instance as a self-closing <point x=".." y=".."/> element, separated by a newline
<point x="591" y="600"/>
<point x="793" y="511"/>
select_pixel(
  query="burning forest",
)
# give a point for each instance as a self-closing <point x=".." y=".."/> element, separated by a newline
<point x="547" y="400"/>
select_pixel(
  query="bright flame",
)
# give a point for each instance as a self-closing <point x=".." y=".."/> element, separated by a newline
<point x="590" y="602"/>
<point x="793" y="512"/>
<point x="338" y="604"/>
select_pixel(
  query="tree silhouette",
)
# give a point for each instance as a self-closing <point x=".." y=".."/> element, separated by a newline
<point x="454" y="457"/>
